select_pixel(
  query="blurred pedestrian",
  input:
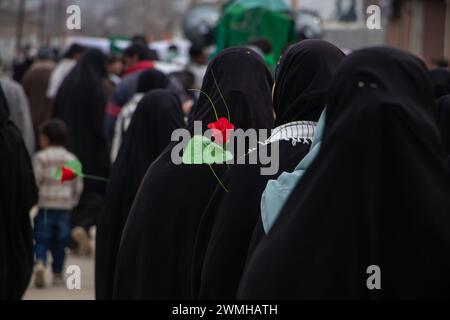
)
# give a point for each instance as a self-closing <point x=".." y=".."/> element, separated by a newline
<point x="136" y="59"/>
<point x="267" y="51"/>
<point x="197" y="65"/>
<point x="81" y="103"/>
<point x="63" y="68"/>
<point x="19" y="110"/>
<point x="114" y="66"/>
<point x="56" y="200"/>
<point x="17" y="197"/>
<point x="173" y="53"/>
<point x="148" y="80"/>
<point x="189" y="97"/>
<point x="157" y="115"/>
<point x="23" y="62"/>
<point x="140" y="39"/>
<point x="35" y="83"/>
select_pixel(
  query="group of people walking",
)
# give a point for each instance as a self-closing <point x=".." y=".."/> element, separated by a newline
<point x="363" y="178"/>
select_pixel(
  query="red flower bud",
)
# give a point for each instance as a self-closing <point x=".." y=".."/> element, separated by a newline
<point x="221" y="130"/>
<point x="67" y="174"/>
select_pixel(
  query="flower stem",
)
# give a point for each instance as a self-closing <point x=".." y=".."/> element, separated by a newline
<point x="221" y="95"/>
<point x="95" y="178"/>
<point x="210" y="101"/>
<point x="218" y="179"/>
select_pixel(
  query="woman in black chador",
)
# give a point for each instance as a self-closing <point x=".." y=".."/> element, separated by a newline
<point x="17" y="195"/>
<point x="157" y="115"/>
<point x="81" y="103"/>
<point x="370" y="217"/>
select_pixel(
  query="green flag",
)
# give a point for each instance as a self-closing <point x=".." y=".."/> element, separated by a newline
<point x="246" y="20"/>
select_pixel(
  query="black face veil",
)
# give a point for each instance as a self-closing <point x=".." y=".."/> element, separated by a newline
<point x="376" y="195"/>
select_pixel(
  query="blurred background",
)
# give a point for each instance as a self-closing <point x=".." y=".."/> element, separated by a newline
<point x="422" y="27"/>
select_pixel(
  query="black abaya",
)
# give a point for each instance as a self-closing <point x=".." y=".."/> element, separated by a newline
<point x="154" y="258"/>
<point x="224" y="235"/>
<point x="81" y="103"/>
<point x="376" y="195"/>
<point x="18" y="194"/>
<point x="157" y="115"/>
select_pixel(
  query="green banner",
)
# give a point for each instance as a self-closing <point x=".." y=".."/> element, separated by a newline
<point x="246" y="20"/>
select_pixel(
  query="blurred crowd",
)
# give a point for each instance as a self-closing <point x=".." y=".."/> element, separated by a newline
<point x="363" y="178"/>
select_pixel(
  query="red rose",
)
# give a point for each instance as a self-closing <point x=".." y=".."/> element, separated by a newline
<point x="221" y="130"/>
<point x="67" y="174"/>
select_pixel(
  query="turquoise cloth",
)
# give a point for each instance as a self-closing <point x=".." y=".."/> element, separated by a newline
<point x="278" y="191"/>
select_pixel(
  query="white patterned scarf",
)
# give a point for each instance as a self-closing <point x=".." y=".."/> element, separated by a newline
<point x="296" y="132"/>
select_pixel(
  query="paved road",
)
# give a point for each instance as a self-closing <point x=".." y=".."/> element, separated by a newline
<point x="61" y="292"/>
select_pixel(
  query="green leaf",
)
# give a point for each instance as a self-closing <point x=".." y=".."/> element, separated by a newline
<point x="76" y="167"/>
<point x="214" y="153"/>
<point x="201" y="150"/>
<point x="193" y="153"/>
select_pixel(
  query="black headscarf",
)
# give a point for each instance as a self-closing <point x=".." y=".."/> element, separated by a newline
<point x="377" y="194"/>
<point x="305" y="73"/>
<point x="443" y="119"/>
<point x="17" y="196"/>
<point x="81" y="103"/>
<point x="157" y="115"/>
<point x="227" y="225"/>
<point x="150" y="80"/>
<point x="155" y="253"/>
<point x="239" y="87"/>
<point x="441" y="81"/>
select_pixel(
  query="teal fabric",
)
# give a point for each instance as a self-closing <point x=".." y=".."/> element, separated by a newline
<point x="278" y="191"/>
